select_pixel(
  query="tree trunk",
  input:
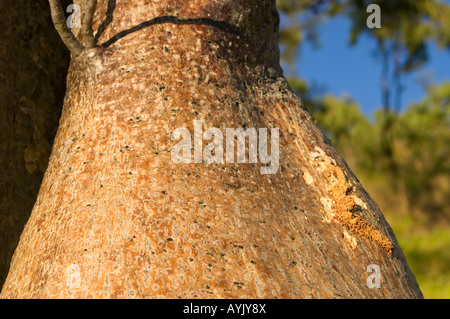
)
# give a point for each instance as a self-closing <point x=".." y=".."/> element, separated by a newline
<point x="118" y="217"/>
<point x="33" y="67"/>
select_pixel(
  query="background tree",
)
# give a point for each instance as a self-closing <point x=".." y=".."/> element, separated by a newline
<point x="132" y="223"/>
<point x="33" y="66"/>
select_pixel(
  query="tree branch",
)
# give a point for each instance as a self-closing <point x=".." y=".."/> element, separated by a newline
<point x="59" y="20"/>
<point x="86" y="26"/>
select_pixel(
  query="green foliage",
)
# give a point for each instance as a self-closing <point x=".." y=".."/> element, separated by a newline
<point x="422" y="147"/>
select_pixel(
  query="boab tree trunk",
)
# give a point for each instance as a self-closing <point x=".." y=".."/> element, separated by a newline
<point x="117" y="216"/>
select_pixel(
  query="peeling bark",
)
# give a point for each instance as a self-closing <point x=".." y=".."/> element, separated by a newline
<point x="117" y="218"/>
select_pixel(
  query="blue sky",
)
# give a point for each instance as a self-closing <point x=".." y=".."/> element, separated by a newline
<point x="354" y="70"/>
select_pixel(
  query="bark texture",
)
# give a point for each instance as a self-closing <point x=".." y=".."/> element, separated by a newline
<point x="33" y="69"/>
<point x="117" y="218"/>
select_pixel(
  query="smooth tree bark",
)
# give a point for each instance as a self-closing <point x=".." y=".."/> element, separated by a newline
<point x="117" y="217"/>
<point x="33" y="68"/>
